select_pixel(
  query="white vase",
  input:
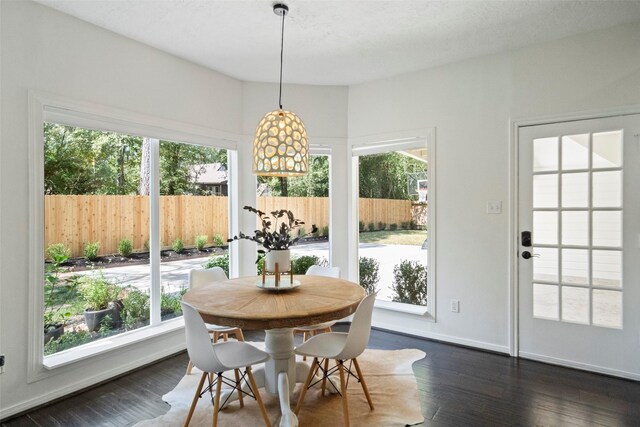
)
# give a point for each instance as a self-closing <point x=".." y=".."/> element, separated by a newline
<point x="282" y="257"/>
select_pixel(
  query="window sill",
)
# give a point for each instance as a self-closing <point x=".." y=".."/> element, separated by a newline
<point x="416" y="310"/>
<point x="105" y="345"/>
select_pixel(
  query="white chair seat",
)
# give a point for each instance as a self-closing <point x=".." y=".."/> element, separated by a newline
<point x="234" y="354"/>
<point x="320" y="326"/>
<point x="325" y="346"/>
<point x="217" y="328"/>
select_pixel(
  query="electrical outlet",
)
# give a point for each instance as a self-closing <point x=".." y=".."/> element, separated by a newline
<point x="455" y="306"/>
<point x="1" y="363"/>
<point x="494" y="207"/>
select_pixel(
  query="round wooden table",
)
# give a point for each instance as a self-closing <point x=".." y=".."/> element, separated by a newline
<point x="239" y="302"/>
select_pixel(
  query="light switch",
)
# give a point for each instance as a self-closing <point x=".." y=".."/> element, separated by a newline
<point x="494" y="207"/>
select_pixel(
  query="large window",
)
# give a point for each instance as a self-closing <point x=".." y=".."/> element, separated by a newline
<point x="308" y="198"/>
<point x="123" y="218"/>
<point x="394" y="209"/>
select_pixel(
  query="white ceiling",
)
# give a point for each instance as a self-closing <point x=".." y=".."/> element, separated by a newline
<point x="343" y="42"/>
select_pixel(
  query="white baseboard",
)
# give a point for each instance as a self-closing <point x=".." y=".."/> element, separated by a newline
<point x="87" y="382"/>
<point x="581" y="366"/>
<point x="444" y="338"/>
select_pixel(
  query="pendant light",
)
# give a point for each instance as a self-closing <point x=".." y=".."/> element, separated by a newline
<point x="280" y="146"/>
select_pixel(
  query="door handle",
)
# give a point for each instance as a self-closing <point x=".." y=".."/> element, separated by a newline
<point x="527" y="255"/>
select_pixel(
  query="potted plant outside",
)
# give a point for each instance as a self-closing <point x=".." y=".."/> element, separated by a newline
<point x="101" y="300"/>
<point x="275" y="237"/>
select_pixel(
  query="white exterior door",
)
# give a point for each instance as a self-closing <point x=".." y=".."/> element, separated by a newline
<point x="579" y="276"/>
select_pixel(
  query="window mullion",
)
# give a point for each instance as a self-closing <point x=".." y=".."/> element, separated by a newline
<point x="154" y="231"/>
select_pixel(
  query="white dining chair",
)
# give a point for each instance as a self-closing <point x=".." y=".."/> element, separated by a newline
<point x="215" y="359"/>
<point x="341" y="347"/>
<point x="199" y="278"/>
<point x="312" y="330"/>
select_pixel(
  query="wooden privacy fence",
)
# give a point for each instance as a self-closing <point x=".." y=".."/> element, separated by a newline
<point x="77" y="220"/>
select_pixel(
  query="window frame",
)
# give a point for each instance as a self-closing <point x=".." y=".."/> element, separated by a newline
<point x="386" y="143"/>
<point x="45" y="107"/>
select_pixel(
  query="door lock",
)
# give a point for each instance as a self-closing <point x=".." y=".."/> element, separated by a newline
<point x="525" y="239"/>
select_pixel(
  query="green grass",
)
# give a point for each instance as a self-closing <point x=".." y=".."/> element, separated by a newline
<point x="398" y="237"/>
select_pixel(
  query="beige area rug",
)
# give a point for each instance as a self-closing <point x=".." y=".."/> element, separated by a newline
<point x="388" y="374"/>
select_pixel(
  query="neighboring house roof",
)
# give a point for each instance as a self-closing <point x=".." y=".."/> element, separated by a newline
<point x="210" y="173"/>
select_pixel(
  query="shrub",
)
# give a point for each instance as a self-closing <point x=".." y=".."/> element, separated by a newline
<point x="369" y="274"/>
<point x="302" y="263"/>
<point x="410" y="283"/>
<point x="58" y="253"/>
<point x="106" y="324"/>
<point x="393" y="227"/>
<point x="125" y="247"/>
<point x="146" y="244"/>
<point x="135" y="308"/>
<point x="97" y="292"/>
<point x="301" y="232"/>
<point x="325" y="231"/>
<point x="361" y="226"/>
<point x="405" y="225"/>
<point x="382" y="225"/>
<point x="221" y="261"/>
<point x="218" y="240"/>
<point x="177" y="246"/>
<point x="413" y="225"/>
<point x="371" y="226"/>
<point x="67" y="340"/>
<point x="91" y="250"/>
<point x="201" y="241"/>
<point x="170" y="303"/>
<point x="316" y="232"/>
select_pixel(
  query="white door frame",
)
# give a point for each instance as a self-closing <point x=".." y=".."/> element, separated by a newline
<point x="514" y="130"/>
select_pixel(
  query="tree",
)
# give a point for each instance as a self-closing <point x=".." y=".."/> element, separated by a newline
<point x="313" y="184"/>
<point x="145" y="168"/>
<point x="178" y="161"/>
<point x="385" y="175"/>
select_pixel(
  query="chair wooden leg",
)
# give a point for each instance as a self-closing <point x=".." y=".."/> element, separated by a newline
<point x="216" y="402"/>
<point x="256" y="392"/>
<point x="216" y="336"/>
<point x="239" y="335"/>
<point x="363" y="383"/>
<point x="324" y="375"/>
<point x="189" y="367"/>
<point x="225" y="337"/>
<point x="195" y="399"/>
<point x="305" y="337"/>
<point x="303" y="390"/>
<point x="343" y="388"/>
<point x="239" y="385"/>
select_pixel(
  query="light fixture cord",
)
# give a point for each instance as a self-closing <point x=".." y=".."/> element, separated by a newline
<point x="281" y="60"/>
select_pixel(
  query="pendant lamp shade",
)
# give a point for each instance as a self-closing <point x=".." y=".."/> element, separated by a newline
<point x="280" y="146"/>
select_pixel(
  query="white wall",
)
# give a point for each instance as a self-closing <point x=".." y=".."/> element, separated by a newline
<point x="470" y="104"/>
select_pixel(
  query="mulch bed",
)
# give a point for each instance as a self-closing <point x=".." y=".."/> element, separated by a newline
<point x="115" y="260"/>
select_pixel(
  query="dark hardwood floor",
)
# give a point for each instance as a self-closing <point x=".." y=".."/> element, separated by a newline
<point x="457" y="386"/>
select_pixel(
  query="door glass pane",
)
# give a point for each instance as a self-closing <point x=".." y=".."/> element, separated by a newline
<point x="575" y="152"/>
<point x="575" y="228"/>
<point x="545" y="154"/>
<point x="575" y="266"/>
<point x="545" y="266"/>
<point x="545" y="228"/>
<point x="545" y="301"/>
<point x="575" y="304"/>
<point x="607" y="149"/>
<point x="607" y="308"/>
<point x="607" y="228"/>
<point x="575" y="190"/>
<point x="607" y="189"/>
<point x="607" y="268"/>
<point x="545" y="191"/>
